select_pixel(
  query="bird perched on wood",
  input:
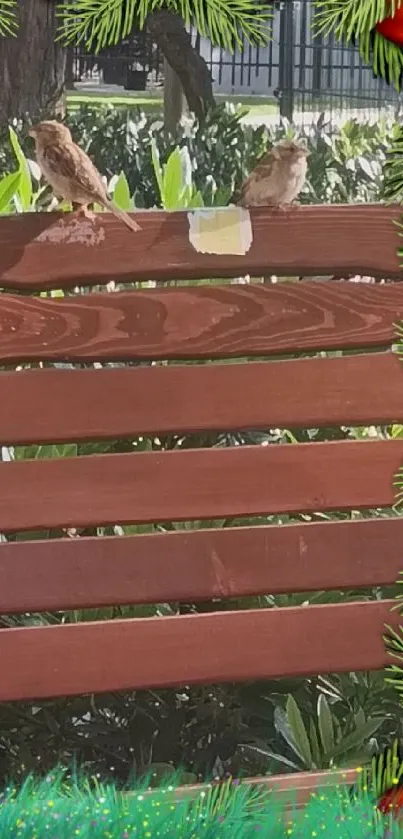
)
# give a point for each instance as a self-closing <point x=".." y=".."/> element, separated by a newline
<point x="278" y="177"/>
<point x="70" y="172"/>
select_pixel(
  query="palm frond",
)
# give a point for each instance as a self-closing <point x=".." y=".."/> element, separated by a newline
<point x="8" y="17"/>
<point x="354" y="20"/>
<point x="101" y="23"/>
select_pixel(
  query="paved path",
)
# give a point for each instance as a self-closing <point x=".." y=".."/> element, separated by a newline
<point x="335" y="117"/>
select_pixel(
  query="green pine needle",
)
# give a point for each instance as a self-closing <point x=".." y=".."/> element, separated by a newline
<point x="101" y="23"/>
<point x="348" y="18"/>
<point x="355" y="20"/>
<point x="8" y="17"/>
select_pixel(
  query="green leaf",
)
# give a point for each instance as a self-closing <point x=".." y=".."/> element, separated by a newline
<point x="282" y="726"/>
<point x="44" y="452"/>
<point x="157" y="169"/>
<point x="356" y="739"/>
<point x="298" y="731"/>
<point x="25" y="188"/>
<point x="325" y="723"/>
<point x="121" y="193"/>
<point x="9" y="185"/>
<point x="313" y="737"/>
<point x="173" y="181"/>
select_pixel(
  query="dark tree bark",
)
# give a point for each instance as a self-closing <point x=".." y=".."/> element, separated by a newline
<point x="174" y="102"/>
<point x="32" y="65"/>
<point x="169" y="33"/>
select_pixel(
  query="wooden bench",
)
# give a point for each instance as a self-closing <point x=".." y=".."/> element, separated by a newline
<point x="201" y="322"/>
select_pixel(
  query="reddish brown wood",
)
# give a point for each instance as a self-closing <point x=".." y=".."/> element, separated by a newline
<point x="200" y="322"/>
<point x="199" y="565"/>
<point x="65" y="405"/>
<point x="296" y="788"/>
<point x="310" y="240"/>
<point x="130" y="654"/>
<point x="197" y="484"/>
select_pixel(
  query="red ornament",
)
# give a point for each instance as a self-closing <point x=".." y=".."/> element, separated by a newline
<point x="392" y="27"/>
<point x="392" y="801"/>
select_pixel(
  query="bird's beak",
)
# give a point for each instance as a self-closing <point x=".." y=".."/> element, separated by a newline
<point x="32" y="131"/>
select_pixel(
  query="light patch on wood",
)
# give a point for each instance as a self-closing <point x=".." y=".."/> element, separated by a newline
<point x="73" y="232"/>
<point x="222" y="231"/>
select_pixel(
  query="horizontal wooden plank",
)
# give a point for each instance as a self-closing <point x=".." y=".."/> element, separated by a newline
<point x="43" y="251"/>
<point x="197" y="484"/>
<point x="200" y="322"/>
<point x="164" y="652"/>
<point x="295" y="788"/>
<point x="199" y="565"/>
<point x="65" y="405"/>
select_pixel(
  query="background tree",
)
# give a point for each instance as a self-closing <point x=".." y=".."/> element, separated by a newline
<point x="170" y="34"/>
<point x="34" y="62"/>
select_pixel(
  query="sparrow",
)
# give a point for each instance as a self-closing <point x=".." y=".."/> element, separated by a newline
<point x="70" y="172"/>
<point x="278" y="177"/>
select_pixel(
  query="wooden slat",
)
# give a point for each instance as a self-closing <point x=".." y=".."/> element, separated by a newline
<point x="65" y="405"/>
<point x="200" y="322"/>
<point x="197" y="484"/>
<point x="164" y="652"/>
<point x="41" y="251"/>
<point x="295" y="788"/>
<point x="200" y="565"/>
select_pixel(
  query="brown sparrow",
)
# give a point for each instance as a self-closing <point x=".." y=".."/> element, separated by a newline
<point x="70" y="172"/>
<point x="278" y="177"/>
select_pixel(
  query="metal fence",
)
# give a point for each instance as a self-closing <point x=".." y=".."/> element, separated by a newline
<point x="305" y="75"/>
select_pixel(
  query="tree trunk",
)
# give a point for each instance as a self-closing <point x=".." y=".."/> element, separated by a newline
<point x="69" y="74"/>
<point x="169" y="32"/>
<point x="32" y="65"/>
<point x="173" y="99"/>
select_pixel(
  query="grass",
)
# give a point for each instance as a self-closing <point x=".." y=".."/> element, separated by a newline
<point x="153" y="103"/>
<point x="257" y="106"/>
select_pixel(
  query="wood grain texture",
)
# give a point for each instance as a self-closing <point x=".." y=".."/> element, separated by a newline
<point x="199" y="322"/>
<point x="43" y="251"/>
<point x="203" y="322"/>
<point x="197" y="484"/>
<point x="193" y="649"/>
<point x="199" y="565"/>
<point x="64" y="405"/>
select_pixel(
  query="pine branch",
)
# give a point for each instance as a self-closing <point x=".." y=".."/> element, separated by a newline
<point x="354" y="21"/>
<point x="101" y="23"/>
<point x="8" y="17"/>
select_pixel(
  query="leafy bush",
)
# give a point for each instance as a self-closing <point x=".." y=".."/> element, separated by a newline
<point x="344" y="166"/>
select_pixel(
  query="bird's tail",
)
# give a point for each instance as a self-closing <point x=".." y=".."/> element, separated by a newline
<point x="127" y="220"/>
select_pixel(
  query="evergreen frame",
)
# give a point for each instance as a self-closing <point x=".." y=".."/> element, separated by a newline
<point x="355" y="21"/>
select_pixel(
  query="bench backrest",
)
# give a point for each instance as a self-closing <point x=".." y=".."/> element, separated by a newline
<point x="199" y="322"/>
